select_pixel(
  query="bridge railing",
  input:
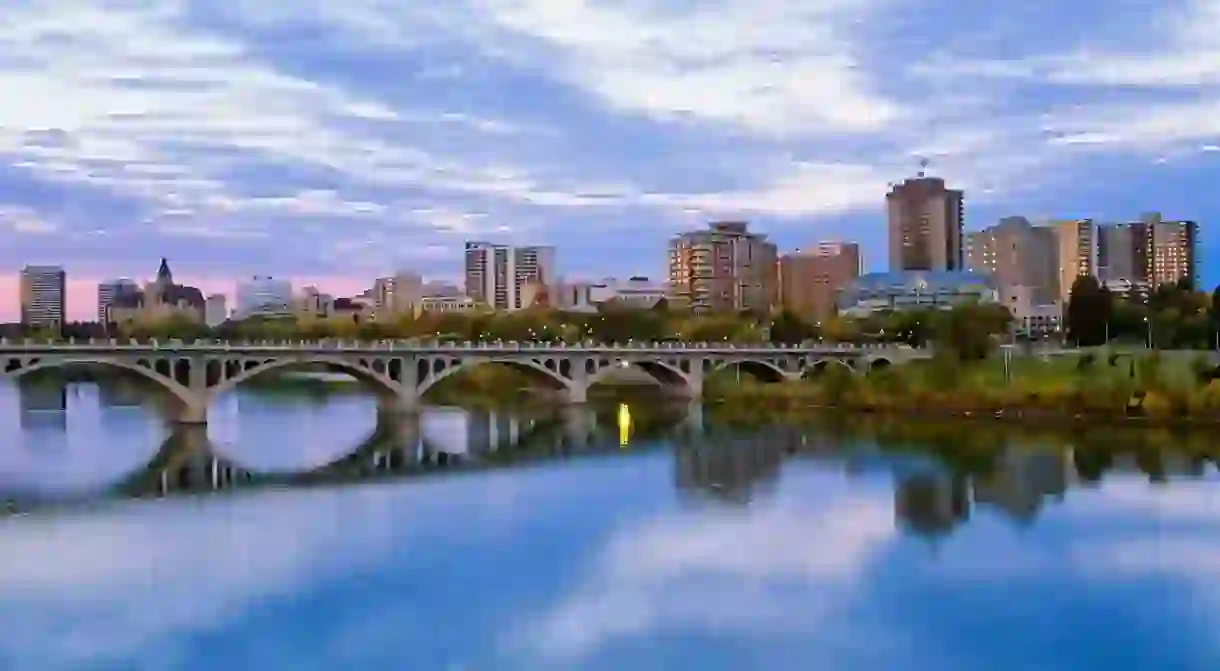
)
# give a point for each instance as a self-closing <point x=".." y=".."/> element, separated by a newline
<point x="415" y="344"/>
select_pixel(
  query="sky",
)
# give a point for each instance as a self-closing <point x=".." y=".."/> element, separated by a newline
<point x="332" y="142"/>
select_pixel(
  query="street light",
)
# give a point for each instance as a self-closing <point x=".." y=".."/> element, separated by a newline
<point x="1148" y="325"/>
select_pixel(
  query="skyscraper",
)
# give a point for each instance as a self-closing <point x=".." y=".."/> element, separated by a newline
<point x="496" y="274"/>
<point x="926" y="223"/>
<point x="725" y="267"/>
<point x="1173" y="252"/>
<point x="43" y="295"/>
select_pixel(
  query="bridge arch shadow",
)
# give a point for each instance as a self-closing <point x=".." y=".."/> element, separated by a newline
<point x="660" y="373"/>
<point x="551" y="373"/>
<point x="762" y="371"/>
<point x="819" y="368"/>
<point x="162" y="373"/>
<point x="879" y="364"/>
<point x="225" y="375"/>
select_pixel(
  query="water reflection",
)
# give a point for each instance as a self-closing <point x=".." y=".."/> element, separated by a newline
<point x="874" y="546"/>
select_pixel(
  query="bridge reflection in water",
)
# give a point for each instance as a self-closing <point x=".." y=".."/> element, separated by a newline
<point x="938" y="479"/>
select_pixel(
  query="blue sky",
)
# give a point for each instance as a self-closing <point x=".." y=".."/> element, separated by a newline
<point x="349" y="139"/>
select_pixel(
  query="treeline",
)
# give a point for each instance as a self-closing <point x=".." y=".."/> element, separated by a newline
<point x="970" y="329"/>
<point x="1174" y="317"/>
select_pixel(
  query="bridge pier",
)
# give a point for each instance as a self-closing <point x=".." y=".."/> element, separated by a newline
<point x="576" y="394"/>
<point x="192" y="414"/>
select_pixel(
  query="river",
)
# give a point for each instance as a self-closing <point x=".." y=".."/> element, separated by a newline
<point x="304" y="530"/>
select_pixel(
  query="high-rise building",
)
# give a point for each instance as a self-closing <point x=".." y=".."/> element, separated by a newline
<point x="1076" y="242"/>
<point x="1123" y="252"/>
<point x="43" y="296"/>
<point x="725" y="267"/>
<point x="1017" y="253"/>
<point x="1149" y="252"/>
<point x="926" y="222"/>
<point x="809" y="280"/>
<point x="496" y="274"/>
<point x="109" y="292"/>
<point x="263" y="295"/>
<point x="1173" y="250"/>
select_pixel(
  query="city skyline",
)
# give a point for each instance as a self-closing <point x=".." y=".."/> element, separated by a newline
<point x="407" y="132"/>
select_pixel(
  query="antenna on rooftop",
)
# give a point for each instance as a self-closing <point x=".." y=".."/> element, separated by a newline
<point x="923" y="167"/>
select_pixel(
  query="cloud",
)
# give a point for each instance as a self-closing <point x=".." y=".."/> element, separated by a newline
<point x="686" y="572"/>
<point x="212" y="131"/>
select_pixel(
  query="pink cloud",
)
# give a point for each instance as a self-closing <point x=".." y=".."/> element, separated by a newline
<point x="82" y="291"/>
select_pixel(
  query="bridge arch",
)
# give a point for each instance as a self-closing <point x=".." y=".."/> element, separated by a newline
<point x="759" y="368"/>
<point x="879" y="363"/>
<point x="180" y="392"/>
<point x="533" y="369"/>
<point x="380" y="380"/>
<point x="663" y="373"/>
<point x="820" y="366"/>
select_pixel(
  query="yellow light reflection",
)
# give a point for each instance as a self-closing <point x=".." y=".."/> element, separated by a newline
<point x="624" y="424"/>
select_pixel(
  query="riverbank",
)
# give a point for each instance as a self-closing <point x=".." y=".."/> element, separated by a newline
<point x="1078" y="389"/>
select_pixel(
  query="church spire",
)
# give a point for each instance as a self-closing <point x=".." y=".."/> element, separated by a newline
<point x="163" y="272"/>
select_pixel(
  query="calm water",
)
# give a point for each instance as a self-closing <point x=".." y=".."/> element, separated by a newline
<point x="303" y="532"/>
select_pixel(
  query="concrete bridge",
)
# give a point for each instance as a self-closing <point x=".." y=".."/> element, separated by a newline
<point x="404" y="371"/>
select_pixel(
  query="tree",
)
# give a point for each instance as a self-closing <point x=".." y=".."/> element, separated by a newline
<point x="1088" y="312"/>
<point x="787" y="328"/>
<point x="969" y="331"/>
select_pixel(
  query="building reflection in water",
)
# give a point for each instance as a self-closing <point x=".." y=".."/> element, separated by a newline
<point x="934" y="490"/>
<point x="733" y="468"/>
<point x="43" y="403"/>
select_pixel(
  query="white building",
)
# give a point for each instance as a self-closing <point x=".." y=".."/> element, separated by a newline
<point x="108" y="291"/>
<point x="216" y="310"/>
<point x="636" y="292"/>
<point x="1031" y="316"/>
<point x="495" y="274"/>
<point x="263" y="296"/>
<point x="43" y="296"/>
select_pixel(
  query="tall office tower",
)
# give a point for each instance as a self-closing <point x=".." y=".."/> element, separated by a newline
<point x="1076" y="242"/>
<point x="1017" y="253"/>
<point x="108" y="292"/>
<point x="43" y="296"/>
<point x="809" y="280"/>
<point x="496" y="274"/>
<point x="926" y="222"/>
<point x="722" y="268"/>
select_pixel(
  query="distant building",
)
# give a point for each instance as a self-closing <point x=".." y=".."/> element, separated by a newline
<point x="724" y="268"/>
<point x="496" y="274"/>
<point x="1017" y="253"/>
<point x="1150" y="251"/>
<point x="1076" y="243"/>
<point x="1032" y="314"/>
<point x="108" y="291"/>
<point x="162" y="298"/>
<point x="633" y="293"/>
<point x="263" y="295"/>
<point x="43" y="296"/>
<point x="882" y="292"/>
<point x="216" y="310"/>
<point x="446" y="304"/>
<point x="925" y="225"/>
<point x="810" y="280"/>
<point x="313" y="304"/>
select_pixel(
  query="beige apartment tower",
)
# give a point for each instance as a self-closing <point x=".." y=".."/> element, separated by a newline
<point x="724" y="268"/>
<point x="1076" y="244"/>
<point x="1017" y="253"/>
<point x="810" y="280"/>
<point x="926" y="223"/>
